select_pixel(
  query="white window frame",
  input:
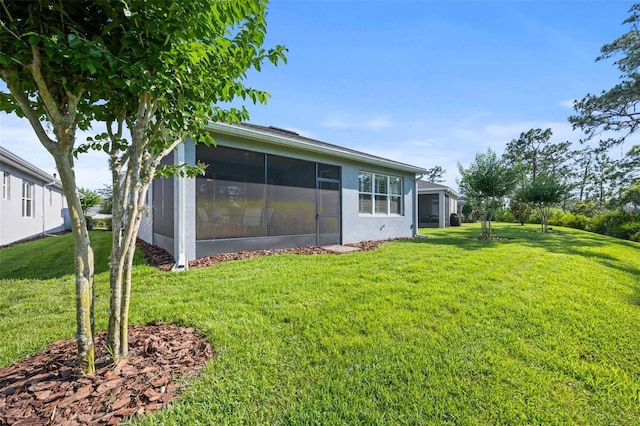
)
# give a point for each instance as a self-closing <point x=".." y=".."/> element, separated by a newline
<point x="28" y="207"/>
<point x="386" y="190"/>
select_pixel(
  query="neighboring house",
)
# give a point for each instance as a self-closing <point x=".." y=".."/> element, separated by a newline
<point x="435" y="204"/>
<point x="31" y="200"/>
<point x="268" y="188"/>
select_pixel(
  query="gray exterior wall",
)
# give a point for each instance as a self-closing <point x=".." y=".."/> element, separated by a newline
<point x="361" y="227"/>
<point x="48" y="202"/>
<point x="355" y="227"/>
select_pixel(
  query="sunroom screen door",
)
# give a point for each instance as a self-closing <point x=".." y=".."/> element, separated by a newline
<point x="328" y="217"/>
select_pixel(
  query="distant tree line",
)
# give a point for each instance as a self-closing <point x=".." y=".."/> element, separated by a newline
<point x="540" y="181"/>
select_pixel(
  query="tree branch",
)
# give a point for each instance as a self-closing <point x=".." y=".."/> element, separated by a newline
<point x="29" y="113"/>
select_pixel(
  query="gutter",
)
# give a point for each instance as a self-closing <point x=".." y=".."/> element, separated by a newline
<point x="309" y="146"/>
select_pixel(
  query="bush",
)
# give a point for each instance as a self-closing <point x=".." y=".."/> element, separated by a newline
<point x="630" y="230"/>
<point x="102" y="223"/>
<point x="570" y="220"/>
<point x="505" y="216"/>
<point x="555" y="219"/>
<point x="617" y="224"/>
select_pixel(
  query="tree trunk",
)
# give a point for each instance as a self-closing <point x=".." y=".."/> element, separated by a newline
<point x="62" y="115"/>
<point x="117" y="261"/>
<point x="84" y="269"/>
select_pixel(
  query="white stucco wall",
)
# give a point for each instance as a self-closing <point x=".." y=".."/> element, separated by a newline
<point x="48" y="203"/>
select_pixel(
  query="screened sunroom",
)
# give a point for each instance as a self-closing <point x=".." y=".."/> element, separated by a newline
<point x="268" y="188"/>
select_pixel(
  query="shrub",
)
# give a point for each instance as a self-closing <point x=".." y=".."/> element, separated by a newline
<point x="618" y="223"/>
<point x="505" y="216"/>
<point x="577" y="221"/>
<point x="555" y="217"/>
<point x="102" y="223"/>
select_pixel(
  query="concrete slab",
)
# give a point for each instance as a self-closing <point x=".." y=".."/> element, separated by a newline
<point x="341" y="249"/>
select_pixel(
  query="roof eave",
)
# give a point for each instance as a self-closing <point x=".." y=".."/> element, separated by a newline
<point x="310" y="147"/>
<point x="436" y="190"/>
<point x="13" y="160"/>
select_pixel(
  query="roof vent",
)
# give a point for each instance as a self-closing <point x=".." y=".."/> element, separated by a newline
<point x="291" y="132"/>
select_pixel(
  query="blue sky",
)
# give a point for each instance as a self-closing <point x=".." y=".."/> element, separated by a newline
<point x="423" y="82"/>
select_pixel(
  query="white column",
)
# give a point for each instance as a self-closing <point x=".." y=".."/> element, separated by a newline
<point x="441" y="209"/>
<point x="179" y="214"/>
<point x="184" y="231"/>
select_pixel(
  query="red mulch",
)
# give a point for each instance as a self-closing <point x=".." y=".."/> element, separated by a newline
<point x="161" y="259"/>
<point x="44" y="389"/>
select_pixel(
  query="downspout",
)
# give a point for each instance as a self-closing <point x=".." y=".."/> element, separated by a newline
<point x="44" y="190"/>
<point x="415" y="205"/>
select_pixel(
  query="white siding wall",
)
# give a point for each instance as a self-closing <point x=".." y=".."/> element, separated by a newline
<point x="48" y="204"/>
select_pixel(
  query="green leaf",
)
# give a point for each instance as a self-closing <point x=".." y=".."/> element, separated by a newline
<point x="4" y="59"/>
<point x="34" y="40"/>
<point x="91" y="67"/>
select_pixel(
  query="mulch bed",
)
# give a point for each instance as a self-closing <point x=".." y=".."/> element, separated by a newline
<point x="44" y="389"/>
<point x="161" y="259"/>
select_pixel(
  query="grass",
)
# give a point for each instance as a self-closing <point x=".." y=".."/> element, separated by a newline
<point x="536" y="329"/>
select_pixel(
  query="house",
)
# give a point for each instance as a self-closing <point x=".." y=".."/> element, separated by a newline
<point x="268" y="188"/>
<point x="435" y="204"/>
<point x="31" y="203"/>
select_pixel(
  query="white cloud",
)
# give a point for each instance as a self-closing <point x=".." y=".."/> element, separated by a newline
<point x="424" y="143"/>
<point x="17" y="135"/>
<point x="567" y="104"/>
<point x="375" y="123"/>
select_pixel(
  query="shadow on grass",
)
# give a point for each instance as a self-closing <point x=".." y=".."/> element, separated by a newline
<point x="52" y="257"/>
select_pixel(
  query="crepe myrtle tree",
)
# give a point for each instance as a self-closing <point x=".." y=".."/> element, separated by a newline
<point x="177" y="61"/>
<point x="544" y="193"/>
<point x="485" y="183"/>
<point x="155" y="67"/>
<point x="50" y="55"/>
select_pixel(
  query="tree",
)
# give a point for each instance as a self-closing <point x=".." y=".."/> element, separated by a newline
<point x="544" y="192"/>
<point x="50" y="53"/>
<point x="435" y="174"/>
<point x="157" y="68"/>
<point x="615" y="112"/>
<point x="487" y="181"/>
<point x="521" y="210"/>
<point x="631" y="197"/>
<point x="193" y="55"/>
<point x="106" y="193"/>
<point x="467" y="210"/>
<point x="534" y="152"/>
<point x="89" y="199"/>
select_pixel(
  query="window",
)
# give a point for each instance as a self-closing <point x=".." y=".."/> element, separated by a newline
<point x="27" y="199"/>
<point x="5" y="185"/>
<point x="380" y="194"/>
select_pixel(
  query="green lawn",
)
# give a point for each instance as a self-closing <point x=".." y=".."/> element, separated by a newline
<point x="537" y="329"/>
